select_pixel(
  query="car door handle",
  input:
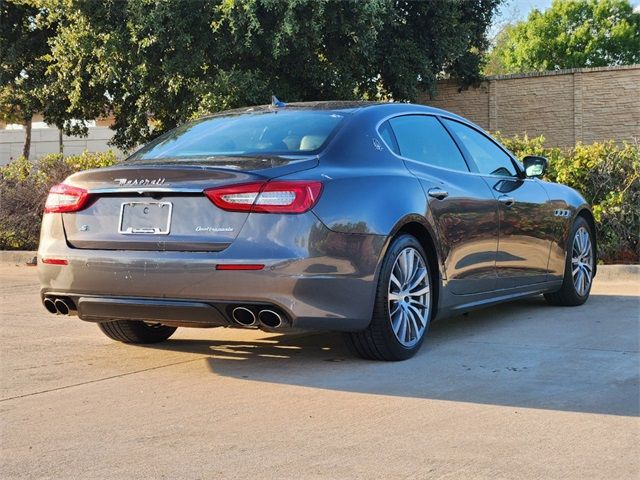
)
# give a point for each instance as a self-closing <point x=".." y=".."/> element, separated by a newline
<point x="438" y="193"/>
<point x="506" y="200"/>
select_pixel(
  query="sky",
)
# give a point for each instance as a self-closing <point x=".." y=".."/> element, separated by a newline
<point x="514" y="10"/>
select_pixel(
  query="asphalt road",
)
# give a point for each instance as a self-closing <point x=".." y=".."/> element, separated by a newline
<point x="523" y="390"/>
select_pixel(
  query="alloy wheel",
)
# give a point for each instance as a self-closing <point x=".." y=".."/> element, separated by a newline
<point x="409" y="297"/>
<point x="582" y="261"/>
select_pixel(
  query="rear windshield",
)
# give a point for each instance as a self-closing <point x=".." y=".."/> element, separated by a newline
<point x="279" y="132"/>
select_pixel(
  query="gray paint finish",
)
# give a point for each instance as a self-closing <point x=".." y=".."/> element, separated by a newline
<point x="321" y="266"/>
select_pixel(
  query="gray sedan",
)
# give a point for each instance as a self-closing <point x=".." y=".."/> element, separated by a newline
<point x="367" y="218"/>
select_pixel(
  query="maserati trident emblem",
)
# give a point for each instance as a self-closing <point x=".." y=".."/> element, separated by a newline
<point x="137" y="182"/>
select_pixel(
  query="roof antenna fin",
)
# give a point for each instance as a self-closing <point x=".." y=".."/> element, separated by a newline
<point x="277" y="103"/>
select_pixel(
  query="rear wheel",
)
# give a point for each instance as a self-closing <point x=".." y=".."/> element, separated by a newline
<point x="579" y="267"/>
<point x="134" y="331"/>
<point x="403" y="305"/>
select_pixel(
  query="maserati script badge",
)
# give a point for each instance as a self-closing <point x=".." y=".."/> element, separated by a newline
<point x="136" y="182"/>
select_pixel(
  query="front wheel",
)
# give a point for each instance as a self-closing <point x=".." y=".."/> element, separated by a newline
<point x="134" y="331"/>
<point x="402" y="309"/>
<point x="579" y="268"/>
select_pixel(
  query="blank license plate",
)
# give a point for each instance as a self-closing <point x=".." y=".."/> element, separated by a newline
<point x="152" y="218"/>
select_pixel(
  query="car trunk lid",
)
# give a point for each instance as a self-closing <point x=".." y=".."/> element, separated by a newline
<point x="161" y="206"/>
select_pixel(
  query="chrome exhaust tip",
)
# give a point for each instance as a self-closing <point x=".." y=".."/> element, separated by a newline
<point x="50" y="306"/>
<point x="244" y="316"/>
<point x="270" y="319"/>
<point x="62" y="307"/>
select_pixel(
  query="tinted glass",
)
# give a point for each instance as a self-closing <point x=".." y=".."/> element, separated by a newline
<point x="387" y="135"/>
<point x="424" y="139"/>
<point x="277" y="132"/>
<point x="489" y="158"/>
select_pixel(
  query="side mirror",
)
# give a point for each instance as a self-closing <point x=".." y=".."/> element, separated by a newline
<point x="535" y="166"/>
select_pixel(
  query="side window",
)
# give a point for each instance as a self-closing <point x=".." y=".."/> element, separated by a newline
<point x="387" y="135"/>
<point x="489" y="158"/>
<point x="424" y="139"/>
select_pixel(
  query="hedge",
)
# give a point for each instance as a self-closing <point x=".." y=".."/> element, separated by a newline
<point x="608" y="175"/>
<point x="23" y="190"/>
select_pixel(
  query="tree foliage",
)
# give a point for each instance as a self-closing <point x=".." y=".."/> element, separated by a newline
<point x="570" y="34"/>
<point x="23" y="46"/>
<point x="154" y="64"/>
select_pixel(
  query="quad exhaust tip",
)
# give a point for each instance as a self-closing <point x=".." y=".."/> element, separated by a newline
<point x="266" y="318"/>
<point x="50" y="306"/>
<point x="244" y="316"/>
<point x="59" y="306"/>
<point x="270" y="319"/>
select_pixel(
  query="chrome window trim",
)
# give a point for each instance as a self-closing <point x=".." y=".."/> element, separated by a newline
<point x="406" y="159"/>
<point x="516" y="162"/>
<point x="448" y="117"/>
<point x="404" y="114"/>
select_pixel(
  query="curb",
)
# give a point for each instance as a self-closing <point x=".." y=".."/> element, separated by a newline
<point x="17" y="257"/>
<point x="606" y="273"/>
<point x="618" y="273"/>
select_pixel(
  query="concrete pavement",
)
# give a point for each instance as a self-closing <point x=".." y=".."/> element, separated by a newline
<point x="522" y="390"/>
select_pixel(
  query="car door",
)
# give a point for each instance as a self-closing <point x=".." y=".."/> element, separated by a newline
<point x="524" y="242"/>
<point x="464" y="210"/>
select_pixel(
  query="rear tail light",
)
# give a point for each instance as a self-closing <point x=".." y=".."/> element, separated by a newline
<point x="65" y="198"/>
<point x="267" y="197"/>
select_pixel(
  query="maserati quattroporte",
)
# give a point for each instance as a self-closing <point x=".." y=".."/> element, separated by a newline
<point x="367" y="218"/>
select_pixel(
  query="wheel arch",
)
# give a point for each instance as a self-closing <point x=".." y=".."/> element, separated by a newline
<point x="419" y="228"/>
<point x="586" y="213"/>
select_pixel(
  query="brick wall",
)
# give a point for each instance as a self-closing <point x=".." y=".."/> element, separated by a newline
<point x="567" y="106"/>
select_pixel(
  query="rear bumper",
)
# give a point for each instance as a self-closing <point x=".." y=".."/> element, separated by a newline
<point x="103" y="309"/>
<point x="317" y="278"/>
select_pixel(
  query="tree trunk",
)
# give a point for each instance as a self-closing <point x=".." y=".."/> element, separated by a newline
<point x="27" y="138"/>
<point x="60" y="142"/>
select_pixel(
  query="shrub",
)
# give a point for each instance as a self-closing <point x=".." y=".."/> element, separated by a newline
<point x="608" y="176"/>
<point x="23" y="190"/>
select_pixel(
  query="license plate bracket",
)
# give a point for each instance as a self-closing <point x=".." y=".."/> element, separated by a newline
<point x="145" y="218"/>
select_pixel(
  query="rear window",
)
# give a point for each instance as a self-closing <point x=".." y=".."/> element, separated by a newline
<point x="278" y="132"/>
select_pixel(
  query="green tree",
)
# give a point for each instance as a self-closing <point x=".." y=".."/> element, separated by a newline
<point x="23" y="44"/>
<point x="570" y="34"/>
<point x="154" y="64"/>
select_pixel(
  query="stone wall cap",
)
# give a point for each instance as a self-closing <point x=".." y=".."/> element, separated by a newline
<point x="568" y="71"/>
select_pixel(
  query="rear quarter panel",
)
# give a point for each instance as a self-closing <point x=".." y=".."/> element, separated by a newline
<point x="365" y="187"/>
<point x="562" y="198"/>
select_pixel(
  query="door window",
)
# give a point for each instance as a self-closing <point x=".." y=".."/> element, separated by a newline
<point x="424" y="139"/>
<point x="489" y="157"/>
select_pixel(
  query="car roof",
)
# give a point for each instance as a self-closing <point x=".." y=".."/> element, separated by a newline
<point x="349" y="106"/>
<point x="377" y="109"/>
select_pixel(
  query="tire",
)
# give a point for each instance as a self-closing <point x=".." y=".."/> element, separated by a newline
<point x="134" y="331"/>
<point x="398" y="327"/>
<point x="573" y="293"/>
